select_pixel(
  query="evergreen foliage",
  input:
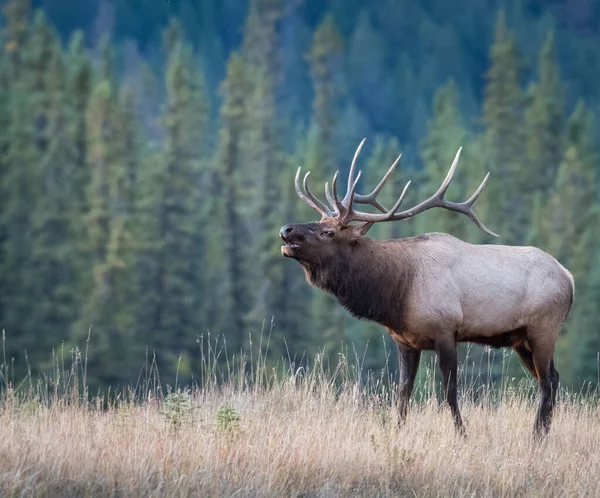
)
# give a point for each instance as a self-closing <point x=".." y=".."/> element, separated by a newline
<point x="139" y="200"/>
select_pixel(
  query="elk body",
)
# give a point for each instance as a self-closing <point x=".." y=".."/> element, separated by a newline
<point x="435" y="290"/>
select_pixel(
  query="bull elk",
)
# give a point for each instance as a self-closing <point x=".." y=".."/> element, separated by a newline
<point x="434" y="290"/>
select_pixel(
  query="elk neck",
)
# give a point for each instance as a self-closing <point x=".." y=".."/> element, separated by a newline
<point x="369" y="278"/>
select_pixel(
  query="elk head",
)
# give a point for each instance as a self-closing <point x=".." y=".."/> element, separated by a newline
<point x="341" y="225"/>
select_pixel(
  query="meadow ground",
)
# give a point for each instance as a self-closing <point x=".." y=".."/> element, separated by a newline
<point x="307" y="433"/>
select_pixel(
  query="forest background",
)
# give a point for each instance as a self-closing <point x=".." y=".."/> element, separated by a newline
<point x="148" y="151"/>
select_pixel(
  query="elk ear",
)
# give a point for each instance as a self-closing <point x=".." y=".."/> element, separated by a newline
<point x="361" y="229"/>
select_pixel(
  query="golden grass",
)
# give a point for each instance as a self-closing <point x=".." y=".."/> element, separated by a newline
<point x="304" y="435"/>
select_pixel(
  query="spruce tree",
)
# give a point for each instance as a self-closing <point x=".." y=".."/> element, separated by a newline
<point x="23" y="178"/>
<point x="36" y="64"/>
<point x="264" y="165"/>
<point x="175" y="227"/>
<point x="584" y="348"/>
<point x="324" y="58"/>
<point x="504" y="136"/>
<point x="18" y="197"/>
<point x="5" y="123"/>
<point x="564" y="222"/>
<point x="227" y="249"/>
<point x="108" y="245"/>
<point x="367" y="63"/>
<point x="56" y="218"/>
<point x="544" y="122"/>
<point x="79" y="83"/>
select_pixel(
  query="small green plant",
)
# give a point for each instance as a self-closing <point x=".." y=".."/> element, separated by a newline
<point x="177" y="408"/>
<point x="228" y="419"/>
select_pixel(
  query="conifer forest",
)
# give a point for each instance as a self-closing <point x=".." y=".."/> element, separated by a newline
<point x="149" y="147"/>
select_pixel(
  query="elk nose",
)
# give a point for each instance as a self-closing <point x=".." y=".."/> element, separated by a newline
<point x="286" y="230"/>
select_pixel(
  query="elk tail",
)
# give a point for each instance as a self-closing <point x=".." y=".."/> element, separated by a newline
<point x="571" y="290"/>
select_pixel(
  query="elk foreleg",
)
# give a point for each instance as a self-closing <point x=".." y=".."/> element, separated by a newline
<point x="409" y="364"/>
<point x="447" y="357"/>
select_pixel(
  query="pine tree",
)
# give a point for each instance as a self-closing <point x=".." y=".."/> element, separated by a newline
<point x="544" y="122"/>
<point x="79" y="85"/>
<point x="227" y="245"/>
<point x="36" y="61"/>
<point x="585" y="345"/>
<point x="23" y="178"/>
<point x="109" y="246"/>
<point x="18" y="197"/>
<point x="130" y="142"/>
<point x="264" y="164"/>
<point x="324" y="61"/>
<point x="574" y="188"/>
<point x="504" y="135"/>
<point x="564" y="224"/>
<point x="580" y="131"/>
<point x="5" y="123"/>
<point x="367" y="63"/>
<point x="580" y="134"/>
<point x="175" y="227"/>
<point x="56" y="219"/>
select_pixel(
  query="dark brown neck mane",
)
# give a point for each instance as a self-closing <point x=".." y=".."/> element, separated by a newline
<point x="365" y="280"/>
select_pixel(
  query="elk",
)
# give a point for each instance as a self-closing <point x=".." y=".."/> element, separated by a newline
<point x="434" y="290"/>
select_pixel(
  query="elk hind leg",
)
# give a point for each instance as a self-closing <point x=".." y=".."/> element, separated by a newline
<point x="526" y="358"/>
<point x="547" y="375"/>
<point x="409" y="364"/>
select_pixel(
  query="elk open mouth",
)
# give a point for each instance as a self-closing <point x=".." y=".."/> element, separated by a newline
<point x="288" y="248"/>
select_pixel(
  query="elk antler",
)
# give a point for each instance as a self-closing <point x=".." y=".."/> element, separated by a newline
<point x="310" y="199"/>
<point x="344" y="212"/>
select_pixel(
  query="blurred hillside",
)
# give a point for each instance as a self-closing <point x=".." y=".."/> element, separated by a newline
<point x="149" y="149"/>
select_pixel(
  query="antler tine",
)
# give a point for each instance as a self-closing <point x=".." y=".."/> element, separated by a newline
<point x="374" y="218"/>
<point x="308" y="196"/>
<point x="329" y="197"/>
<point x="372" y="197"/>
<point x="399" y="201"/>
<point x="473" y="217"/>
<point x="475" y="195"/>
<point x="299" y="190"/>
<point x="348" y="197"/>
<point x="436" y="200"/>
<point x="341" y="209"/>
<point x="469" y="203"/>
<point x="444" y="186"/>
<point x="322" y="208"/>
<point x="351" y="192"/>
<point x="363" y="199"/>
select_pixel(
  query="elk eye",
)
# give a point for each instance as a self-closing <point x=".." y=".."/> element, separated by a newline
<point x="327" y="233"/>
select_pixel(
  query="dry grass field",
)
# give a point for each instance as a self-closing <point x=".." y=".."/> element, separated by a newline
<point x="308" y="433"/>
